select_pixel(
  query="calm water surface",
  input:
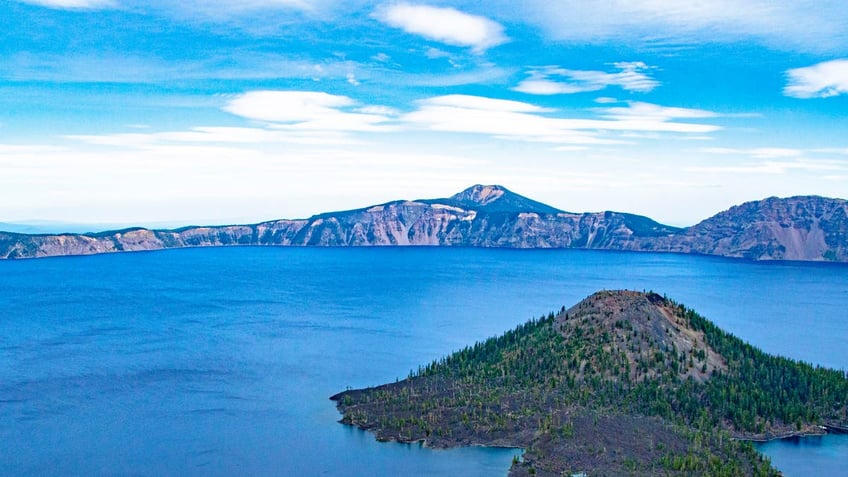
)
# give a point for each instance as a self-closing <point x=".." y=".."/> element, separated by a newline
<point x="220" y="361"/>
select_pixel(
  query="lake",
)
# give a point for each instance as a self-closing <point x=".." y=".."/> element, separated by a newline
<point x="220" y="361"/>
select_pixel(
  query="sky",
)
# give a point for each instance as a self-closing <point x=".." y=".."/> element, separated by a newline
<point x="213" y="112"/>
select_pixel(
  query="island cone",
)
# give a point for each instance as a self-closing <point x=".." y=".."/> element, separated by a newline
<point x="623" y="383"/>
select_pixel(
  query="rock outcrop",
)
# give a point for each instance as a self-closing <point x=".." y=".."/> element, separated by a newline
<point x="795" y="228"/>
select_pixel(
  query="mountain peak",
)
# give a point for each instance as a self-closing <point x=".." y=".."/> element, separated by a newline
<point x="497" y="198"/>
<point x="640" y="325"/>
<point x="481" y="194"/>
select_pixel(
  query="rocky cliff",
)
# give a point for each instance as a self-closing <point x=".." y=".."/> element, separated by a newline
<point x="800" y="228"/>
<point x="795" y="228"/>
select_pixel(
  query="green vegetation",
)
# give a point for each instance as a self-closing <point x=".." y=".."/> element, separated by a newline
<point x="621" y="384"/>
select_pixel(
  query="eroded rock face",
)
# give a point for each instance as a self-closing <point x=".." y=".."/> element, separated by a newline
<point x="798" y="228"/>
<point x="795" y="228"/>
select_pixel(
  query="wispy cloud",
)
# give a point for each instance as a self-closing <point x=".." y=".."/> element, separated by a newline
<point x="74" y="4"/>
<point x="314" y="117"/>
<point x="277" y="117"/>
<point x="215" y="135"/>
<point x="773" y="167"/>
<point x="652" y="112"/>
<point x="223" y="10"/>
<point x="110" y="68"/>
<point x="631" y="77"/>
<point x="445" y="25"/>
<point x="484" y="104"/>
<point x="482" y="74"/>
<point x="306" y="110"/>
<point x="819" y="25"/>
<point x="772" y="160"/>
<point x="206" y="7"/>
<point x="527" y="122"/>
<point x="832" y="150"/>
<point x="757" y="152"/>
<point x="821" y="80"/>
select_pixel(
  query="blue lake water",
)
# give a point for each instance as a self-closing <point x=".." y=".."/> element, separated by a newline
<point x="221" y="361"/>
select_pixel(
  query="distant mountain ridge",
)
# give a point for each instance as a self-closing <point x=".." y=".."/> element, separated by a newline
<point x="796" y="228"/>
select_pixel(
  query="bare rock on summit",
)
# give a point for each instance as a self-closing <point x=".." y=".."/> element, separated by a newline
<point x="638" y="325"/>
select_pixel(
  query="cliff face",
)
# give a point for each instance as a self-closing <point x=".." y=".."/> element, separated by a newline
<point x="800" y="228"/>
<point x="795" y="228"/>
<point x="31" y="246"/>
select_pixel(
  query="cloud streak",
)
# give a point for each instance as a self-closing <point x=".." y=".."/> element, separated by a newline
<point x="133" y="69"/>
<point x="521" y="121"/>
<point x="773" y="160"/>
<point x="630" y="77"/>
<point x="757" y="152"/>
<point x="804" y="25"/>
<point x="73" y="4"/>
<point x="306" y="111"/>
<point x="772" y="167"/>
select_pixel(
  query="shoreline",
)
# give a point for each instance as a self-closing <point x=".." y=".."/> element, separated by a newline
<point x="791" y="435"/>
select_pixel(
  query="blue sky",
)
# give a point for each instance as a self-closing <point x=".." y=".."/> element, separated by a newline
<point x="160" y="112"/>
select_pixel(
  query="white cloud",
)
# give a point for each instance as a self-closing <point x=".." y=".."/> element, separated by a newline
<point x="73" y="4"/>
<point x="445" y="25"/>
<point x="306" y="110"/>
<point x="653" y="112"/>
<point x="287" y="106"/>
<point x="527" y="122"/>
<point x="289" y="117"/>
<point x="310" y="117"/>
<point x="631" y="77"/>
<point x="807" y="25"/>
<point x="821" y="80"/>
<point x="483" y="104"/>
<point x="380" y="110"/>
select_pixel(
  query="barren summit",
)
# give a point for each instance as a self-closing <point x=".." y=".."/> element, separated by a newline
<point x="797" y="228"/>
<point x="495" y="198"/>
<point x="623" y="383"/>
